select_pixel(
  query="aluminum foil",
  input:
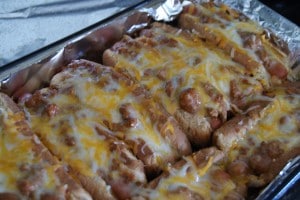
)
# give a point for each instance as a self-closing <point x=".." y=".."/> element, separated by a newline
<point x="84" y="46"/>
<point x="267" y="18"/>
<point x="167" y="11"/>
<point x="287" y="31"/>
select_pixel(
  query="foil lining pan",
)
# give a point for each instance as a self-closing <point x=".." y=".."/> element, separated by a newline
<point x="267" y="18"/>
<point x="35" y="71"/>
<point x="16" y="80"/>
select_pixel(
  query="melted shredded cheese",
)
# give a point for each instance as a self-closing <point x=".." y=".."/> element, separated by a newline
<point x="16" y="150"/>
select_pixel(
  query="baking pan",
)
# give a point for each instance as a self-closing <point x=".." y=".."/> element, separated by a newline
<point x="77" y="45"/>
<point x="88" y="41"/>
<point x="35" y="70"/>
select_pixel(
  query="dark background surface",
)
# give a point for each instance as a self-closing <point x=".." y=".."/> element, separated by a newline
<point x="287" y="8"/>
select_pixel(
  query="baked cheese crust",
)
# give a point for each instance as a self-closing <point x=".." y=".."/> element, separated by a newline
<point x="27" y="168"/>
<point x="203" y="108"/>
<point x="99" y="120"/>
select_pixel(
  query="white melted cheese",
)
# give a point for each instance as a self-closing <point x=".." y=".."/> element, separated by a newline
<point x="16" y="150"/>
<point x="91" y="105"/>
<point x="277" y="122"/>
<point x="198" y="180"/>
